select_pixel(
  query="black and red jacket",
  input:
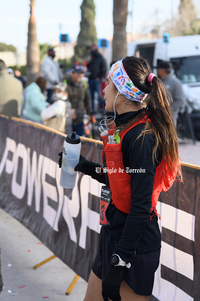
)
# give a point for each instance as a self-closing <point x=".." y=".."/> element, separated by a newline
<point x="136" y="227"/>
<point x="119" y="176"/>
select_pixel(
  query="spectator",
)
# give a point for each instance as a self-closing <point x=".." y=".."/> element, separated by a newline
<point x="10" y="93"/>
<point x="51" y="72"/>
<point x="60" y="92"/>
<point x="34" y="102"/>
<point x="10" y="71"/>
<point x="97" y="72"/>
<point x="19" y="76"/>
<point x="58" y="115"/>
<point x="174" y="86"/>
<point x="79" y="96"/>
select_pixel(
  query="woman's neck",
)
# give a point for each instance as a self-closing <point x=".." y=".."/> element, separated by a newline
<point x="129" y="108"/>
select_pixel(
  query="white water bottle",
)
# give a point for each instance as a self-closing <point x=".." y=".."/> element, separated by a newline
<point x="70" y="158"/>
<point x="103" y="131"/>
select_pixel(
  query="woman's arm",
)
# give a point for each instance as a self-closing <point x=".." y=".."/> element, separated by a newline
<point x="92" y="169"/>
<point x="137" y="155"/>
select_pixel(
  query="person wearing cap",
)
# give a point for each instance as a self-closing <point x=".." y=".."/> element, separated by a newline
<point x="142" y="152"/>
<point x="51" y="72"/>
<point x="10" y="71"/>
<point x="58" y="116"/>
<point x="174" y="86"/>
<point x="79" y="96"/>
<point x="97" y="71"/>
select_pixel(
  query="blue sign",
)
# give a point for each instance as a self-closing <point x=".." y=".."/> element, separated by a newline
<point x="166" y="37"/>
<point x="64" y="38"/>
<point x="103" y="43"/>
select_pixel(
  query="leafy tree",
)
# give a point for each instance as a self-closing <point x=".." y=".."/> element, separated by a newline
<point x="194" y="28"/>
<point x="22" y="68"/>
<point x="5" y="47"/>
<point x="87" y="35"/>
<point x="185" y="22"/>
<point x="43" y="50"/>
<point x="66" y="63"/>
<point x="120" y="12"/>
<point x="33" y="51"/>
<point x="187" y="15"/>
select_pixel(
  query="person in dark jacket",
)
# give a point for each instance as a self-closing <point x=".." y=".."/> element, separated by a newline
<point x="79" y="96"/>
<point x="174" y="86"/>
<point x="97" y="71"/>
<point x="19" y="76"/>
<point x="141" y="159"/>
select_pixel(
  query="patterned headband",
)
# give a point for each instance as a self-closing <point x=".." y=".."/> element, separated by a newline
<point x="124" y="84"/>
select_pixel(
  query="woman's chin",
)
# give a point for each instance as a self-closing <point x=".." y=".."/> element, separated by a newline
<point x="108" y="109"/>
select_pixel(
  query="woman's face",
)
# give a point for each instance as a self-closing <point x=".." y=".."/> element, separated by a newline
<point x="122" y="104"/>
<point x="110" y="93"/>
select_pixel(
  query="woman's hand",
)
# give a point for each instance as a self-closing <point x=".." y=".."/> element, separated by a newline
<point x="60" y="159"/>
<point x="73" y="114"/>
<point x="112" y="282"/>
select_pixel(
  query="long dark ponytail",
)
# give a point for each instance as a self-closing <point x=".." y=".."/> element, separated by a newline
<point x="158" y="110"/>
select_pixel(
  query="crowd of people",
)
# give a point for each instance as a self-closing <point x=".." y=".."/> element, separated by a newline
<point x="82" y="95"/>
<point x="44" y="97"/>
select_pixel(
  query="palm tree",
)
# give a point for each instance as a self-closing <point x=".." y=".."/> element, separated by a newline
<point x="87" y="35"/>
<point x="33" y="51"/>
<point x="120" y="12"/>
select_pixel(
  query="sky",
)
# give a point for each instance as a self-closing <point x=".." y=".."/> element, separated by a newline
<point x="63" y="16"/>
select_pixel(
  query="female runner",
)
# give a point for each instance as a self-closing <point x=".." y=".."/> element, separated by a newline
<point x="142" y="159"/>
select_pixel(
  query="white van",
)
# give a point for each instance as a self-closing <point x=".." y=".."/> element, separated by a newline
<point x="184" y="54"/>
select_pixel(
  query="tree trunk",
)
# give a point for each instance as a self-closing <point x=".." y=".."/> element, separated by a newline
<point x="120" y="12"/>
<point x="33" y="51"/>
<point x="87" y="35"/>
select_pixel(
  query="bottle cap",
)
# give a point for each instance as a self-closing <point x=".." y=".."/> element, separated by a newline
<point x="73" y="138"/>
<point x="101" y="129"/>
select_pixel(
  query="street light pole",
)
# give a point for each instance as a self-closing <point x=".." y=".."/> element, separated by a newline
<point x="132" y="20"/>
<point x="172" y="12"/>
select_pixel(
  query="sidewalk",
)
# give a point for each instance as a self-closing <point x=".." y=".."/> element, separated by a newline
<point x="21" y="250"/>
<point x="190" y="153"/>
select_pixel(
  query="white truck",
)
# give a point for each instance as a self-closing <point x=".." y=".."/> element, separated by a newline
<point x="184" y="53"/>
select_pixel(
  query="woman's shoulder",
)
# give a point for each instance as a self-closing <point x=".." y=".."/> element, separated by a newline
<point x="134" y="142"/>
<point x="136" y="131"/>
<point x="32" y="88"/>
<point x="135" y="137"/>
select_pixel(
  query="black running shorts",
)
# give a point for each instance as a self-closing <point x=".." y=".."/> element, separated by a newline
<point x="140" y="277"/>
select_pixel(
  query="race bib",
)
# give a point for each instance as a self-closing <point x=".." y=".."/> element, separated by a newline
<point x="104" y="202"/>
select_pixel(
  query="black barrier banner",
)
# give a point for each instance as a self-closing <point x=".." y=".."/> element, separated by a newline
<point x="178" y="275"/>
<point x="67" y="221"/>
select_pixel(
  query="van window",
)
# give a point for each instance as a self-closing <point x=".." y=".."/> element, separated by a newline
<point x="187" y="69"/>
<point x="146" y="52"/>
